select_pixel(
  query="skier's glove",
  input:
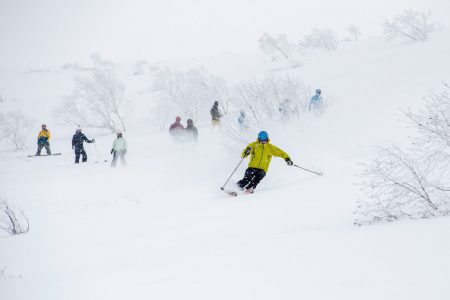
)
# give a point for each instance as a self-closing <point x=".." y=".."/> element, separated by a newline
<point x="247" y="151"/>
<point x="289" y="161"/>
<point x="93" y="141"/>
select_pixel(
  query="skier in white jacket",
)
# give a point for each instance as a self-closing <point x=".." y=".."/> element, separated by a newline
<point x="119" y="149"/>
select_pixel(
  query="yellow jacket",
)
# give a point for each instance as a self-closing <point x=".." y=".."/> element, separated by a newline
<point x="261" y="154"/>
<point x="44" y="134"/>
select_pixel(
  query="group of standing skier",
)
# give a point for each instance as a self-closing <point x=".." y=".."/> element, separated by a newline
<point x="118" y="149"/>
<point x="178" y="131"/>
<point x="260" y="151"/>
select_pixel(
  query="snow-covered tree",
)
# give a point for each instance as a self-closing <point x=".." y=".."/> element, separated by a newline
<point x="273" y="98"/>
<point x="140" y="67"/>
<point x="265" y="99"/>
<point x="98" y="101"/>
<point x="397" y="184"/>
<point x="413" y="182"/>
<point x="319" y="39"/>
<point x="15" y="128"/>
<point x="276" y="46"/>
<point x="99" y="63"/>
<point x="410" y="25"/>
<point x="354" y="32"/>
<point x="190" y="93"/>
<point x="432" y="123"/>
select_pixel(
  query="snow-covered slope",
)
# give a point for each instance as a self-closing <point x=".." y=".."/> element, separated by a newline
<point x="161" y="228"/>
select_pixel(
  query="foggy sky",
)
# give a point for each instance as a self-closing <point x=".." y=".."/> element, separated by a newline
<point x="40" y="33"/>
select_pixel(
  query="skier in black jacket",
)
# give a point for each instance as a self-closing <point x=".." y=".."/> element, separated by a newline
<point x="191" y="131"/>
<point x="215" y="113"/>
<point x="77" y="144"/>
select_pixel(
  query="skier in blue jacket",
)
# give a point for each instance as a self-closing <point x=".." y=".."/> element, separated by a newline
<point x="315" y="101"/>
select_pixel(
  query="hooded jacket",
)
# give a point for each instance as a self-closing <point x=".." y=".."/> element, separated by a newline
<point x="261" y="154"/>
<point x="78" y="139"/>
<point x="191" y="129"/>
<point x="119" y="145"/>
<point x="175" y="126"/>
<point x="43" y="136"/>
<point x="215" y="113"/>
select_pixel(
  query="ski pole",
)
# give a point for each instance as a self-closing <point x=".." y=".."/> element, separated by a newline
<point x="317" y="173"/>
<point x="232" y="174"/>
<point x="98" y="156"/>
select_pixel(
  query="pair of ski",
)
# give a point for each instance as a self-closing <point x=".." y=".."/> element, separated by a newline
<point x="235" y="194"/>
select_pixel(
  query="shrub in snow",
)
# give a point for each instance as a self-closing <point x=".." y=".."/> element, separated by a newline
<point x="5" y="274"/>
<point x="15" y="128"/>
<point x="73" y="66"/>
<point x="98" y="101"/>
<point x="319" y="39"/>
<point x="190" y="94"/>
<point x="396" y="184"/>
<point x="99" y="62"/>
<point x="410" y="25"/>
<point x="277" y="47"/>
<point x="140" y="67"/>
<point x="413" y="183"/>
<point x="11" y="220"/>
<point x="274" y="98"/>
<point x="266" y="99"/>
<point x="354" y="32"/>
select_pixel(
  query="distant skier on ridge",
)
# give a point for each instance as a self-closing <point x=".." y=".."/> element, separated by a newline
<point x="215" y="113"/>
<point x="261" y="152"/>
<point x="242" y="121"/>
<point x="316" y="101"/>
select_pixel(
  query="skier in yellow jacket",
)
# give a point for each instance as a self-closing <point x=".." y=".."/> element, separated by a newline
<point x="261" y="153"/>
<point x="43" y="140"/>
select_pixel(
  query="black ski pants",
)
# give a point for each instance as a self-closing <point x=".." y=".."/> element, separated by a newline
<point x="251" y="178"/>
<point x="80" y="151"/>
<point x="42" y="145"/>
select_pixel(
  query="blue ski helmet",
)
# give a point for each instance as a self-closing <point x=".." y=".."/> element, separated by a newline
<point x="318" y="91"/>
<point x="263" y="136"/>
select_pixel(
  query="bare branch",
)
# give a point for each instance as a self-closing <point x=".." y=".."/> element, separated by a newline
<point x="412" y="183"/>
<point x="11" y="221"/>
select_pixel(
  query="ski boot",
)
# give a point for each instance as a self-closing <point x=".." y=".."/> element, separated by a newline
<point x="249" y="191"/>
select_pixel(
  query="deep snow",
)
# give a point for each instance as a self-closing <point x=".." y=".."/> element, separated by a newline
<point x="161" y="229"/>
